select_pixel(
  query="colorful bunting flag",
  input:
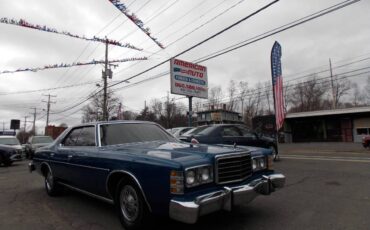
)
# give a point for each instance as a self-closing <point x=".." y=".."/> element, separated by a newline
<point x="44" y="28"/>
<point x="62" y="65"/>
<point x="121" y="7"/>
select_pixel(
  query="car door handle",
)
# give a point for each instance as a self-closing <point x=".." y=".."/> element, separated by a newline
<point x="51" y="154"/>
<point x="70" y="156"/>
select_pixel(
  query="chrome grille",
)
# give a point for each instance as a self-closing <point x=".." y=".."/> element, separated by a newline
<point x="233" y="168"/>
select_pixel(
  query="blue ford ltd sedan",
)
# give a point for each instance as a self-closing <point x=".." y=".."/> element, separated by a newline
<point x="144" y="171"/>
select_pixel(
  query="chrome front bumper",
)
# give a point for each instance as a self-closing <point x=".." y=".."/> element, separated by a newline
<point x="225" y="199"/>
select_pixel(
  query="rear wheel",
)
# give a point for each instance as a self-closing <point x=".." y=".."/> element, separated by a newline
<point x="274" y="152"/>
<point x="130" y="205"/>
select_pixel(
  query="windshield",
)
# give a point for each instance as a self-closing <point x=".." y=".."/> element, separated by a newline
<point x="122" y="133"/>
<point x="195" y="131"/>
<point x="9" y="141"/>
<point x="205" y="131"/>
<point x="39" y="140"/>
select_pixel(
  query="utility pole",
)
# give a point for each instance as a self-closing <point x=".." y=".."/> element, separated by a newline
<point x="168" y="110"/>
<point x="48" y="102"/>
<point x="34" y="120"/>
<point x="332" y="86"/>
<point x="25" y="123"/>
<point x="105" y="74"/>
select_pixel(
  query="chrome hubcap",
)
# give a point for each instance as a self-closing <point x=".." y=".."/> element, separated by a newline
<point x="129" y="203"/>
<point x="273" y="151"/>
<point x="49" y="181"/>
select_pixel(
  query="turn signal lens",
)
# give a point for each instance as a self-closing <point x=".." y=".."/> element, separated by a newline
<point x="176" y="182"/>
<point x="270" y="162"/>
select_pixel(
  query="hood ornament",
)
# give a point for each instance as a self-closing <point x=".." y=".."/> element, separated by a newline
<point x="234" y="145"/>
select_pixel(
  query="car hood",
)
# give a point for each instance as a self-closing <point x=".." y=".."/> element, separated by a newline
<point x="174" y="151"/>
<point x="39" y="145"/>
<point x="16" y="147"/>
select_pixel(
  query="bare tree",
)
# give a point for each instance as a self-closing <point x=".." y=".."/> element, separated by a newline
<point x="258" y="98"/>
<point x="243" y="91"/>
<point x="358" y="97"/>
<point x="231" y="90"/>
<point x="367" y="91"/>
<point x="157" y="108"/>
<point x="341" y="88"/>
<point x="215" y="96"/>
<point x="94" y="110"/>
<point x="308" y="96"/>
<point x="268" y="93"/>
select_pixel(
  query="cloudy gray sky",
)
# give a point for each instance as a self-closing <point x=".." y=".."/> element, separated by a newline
<point x="342" y="36"/>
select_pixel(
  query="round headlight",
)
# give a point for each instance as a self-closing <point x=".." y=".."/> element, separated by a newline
<point x="254" y="164"/>
<point x="190" y="177"/>
<point x="205" y="174"/>
<point x="262" y="163"/>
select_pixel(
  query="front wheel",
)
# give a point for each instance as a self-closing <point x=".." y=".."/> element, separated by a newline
<point x="51" y="186"/>
<point x="131" y="209"/>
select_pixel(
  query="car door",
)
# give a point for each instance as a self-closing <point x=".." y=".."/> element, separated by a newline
<point x="62" y="167"/>
<point x="92" y="167"/>
<point x="85" y="161"/>
<point x="231" y="135"/>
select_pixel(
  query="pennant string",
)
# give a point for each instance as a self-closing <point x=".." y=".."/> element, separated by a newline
<point x="63" y="65"/>
<point x="24" y="23"/>
<point x="122" y="7"/>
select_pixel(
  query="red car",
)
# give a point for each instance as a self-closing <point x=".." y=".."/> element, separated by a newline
<point x="366" y="141"/>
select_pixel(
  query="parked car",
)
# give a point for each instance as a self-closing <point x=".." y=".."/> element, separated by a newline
<point x="13" y="143"/>
<point x="8" y="155"/>
<point x="191" y="132"/>
<point x="230" y="134"/>
<point x="35" y="142"/>
<point x="144" y="171"/>
<point x="178" y="131"/>
<point x="366" y="141"/>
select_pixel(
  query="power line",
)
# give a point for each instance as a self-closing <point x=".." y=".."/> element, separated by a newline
<point x="200" y="43"/>
<point x="332" y="9"/>
<point x="277" y="30"/>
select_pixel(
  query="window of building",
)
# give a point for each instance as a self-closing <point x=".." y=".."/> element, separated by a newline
<point x="363" y="131"/>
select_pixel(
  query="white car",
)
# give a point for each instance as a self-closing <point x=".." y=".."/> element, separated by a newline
<point x="177" y="132"/>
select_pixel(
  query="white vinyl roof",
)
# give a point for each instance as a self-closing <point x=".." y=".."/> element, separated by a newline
<point x="329" y="112"/>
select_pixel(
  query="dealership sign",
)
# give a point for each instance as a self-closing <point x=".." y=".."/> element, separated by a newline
<point x="188" y="79"/>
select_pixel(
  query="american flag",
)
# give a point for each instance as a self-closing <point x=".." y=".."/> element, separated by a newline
<point x="277" y="85"/>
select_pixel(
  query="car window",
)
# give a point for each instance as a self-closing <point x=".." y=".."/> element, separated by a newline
<point x="9" y="141"/>
<point x="84" y="136"/>
<point x="231" y="131"/>
<point x="122" y="133"/>
<point x="87" y="136"/>
<point x="184" y="131"/>
<point x="247" y="133"/>
<point x="38" y="140"/>
<point x="72" y="137"/>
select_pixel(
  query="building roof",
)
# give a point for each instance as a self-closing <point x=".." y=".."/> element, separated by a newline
<point x="355" y="110"/>
<point x="218" y="110"/>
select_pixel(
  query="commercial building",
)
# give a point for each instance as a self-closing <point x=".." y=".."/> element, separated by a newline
<point x="218" y="116"/>
<point x="344" y="125"/>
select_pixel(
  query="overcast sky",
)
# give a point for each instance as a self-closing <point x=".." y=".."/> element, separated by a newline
<point x="342" y="36"/>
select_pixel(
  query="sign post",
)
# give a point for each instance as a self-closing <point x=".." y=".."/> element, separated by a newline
<point x="190" y="111"/>
<point x="189" y="79"/>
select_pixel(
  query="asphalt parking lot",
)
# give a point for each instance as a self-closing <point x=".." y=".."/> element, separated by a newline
<point x="326" y="189"/>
